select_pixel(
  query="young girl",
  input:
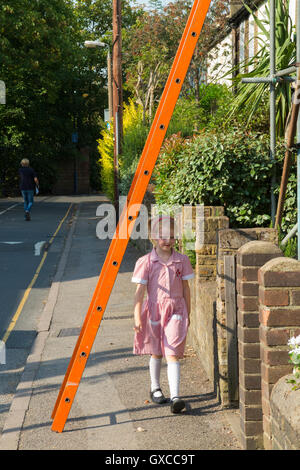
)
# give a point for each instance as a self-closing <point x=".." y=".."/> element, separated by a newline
<point x="162" y="320"/>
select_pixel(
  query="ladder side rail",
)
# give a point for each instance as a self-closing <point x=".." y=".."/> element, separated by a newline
<point x="138" y="188"/>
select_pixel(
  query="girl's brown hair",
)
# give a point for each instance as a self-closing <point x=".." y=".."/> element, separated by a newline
<point x="158" y="220"/>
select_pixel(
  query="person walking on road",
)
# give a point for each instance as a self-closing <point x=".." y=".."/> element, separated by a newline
<point x="28" y="184"/>
<point x="161" y="321"/>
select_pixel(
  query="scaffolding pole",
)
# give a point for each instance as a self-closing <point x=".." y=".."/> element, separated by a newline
<point x="298" y="125"/>
<point x="274" y="77"/>
<point x="272" y="104"/>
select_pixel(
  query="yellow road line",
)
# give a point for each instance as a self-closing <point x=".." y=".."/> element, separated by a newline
<point x="32" y="282"/>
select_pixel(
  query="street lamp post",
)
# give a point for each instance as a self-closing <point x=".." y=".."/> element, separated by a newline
<point x="109" y="85"/>
<point x="94" y="44"/>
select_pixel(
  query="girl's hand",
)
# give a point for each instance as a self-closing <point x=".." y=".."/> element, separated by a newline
<point x="138" y="304"/>
<point x="137" y="325"/>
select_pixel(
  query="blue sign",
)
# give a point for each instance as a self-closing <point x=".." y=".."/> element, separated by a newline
<point x="75" y="137"/>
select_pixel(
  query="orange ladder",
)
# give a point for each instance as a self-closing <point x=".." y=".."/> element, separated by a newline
<point x="129" y="214"/>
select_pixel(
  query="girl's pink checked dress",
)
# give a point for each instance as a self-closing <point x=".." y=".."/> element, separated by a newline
<point x="164" y="313"/>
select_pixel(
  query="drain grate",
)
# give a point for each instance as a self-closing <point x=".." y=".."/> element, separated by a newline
<point x="69" y="332"/>
<point x="76" y="331"/>
<point x="121" y="317"/>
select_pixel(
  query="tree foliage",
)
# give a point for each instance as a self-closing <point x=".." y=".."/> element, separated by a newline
<point x="210" y="169"/>
<point x="151" y="45"/>
<point x="55" y="86"/>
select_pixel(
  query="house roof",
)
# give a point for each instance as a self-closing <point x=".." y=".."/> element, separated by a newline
<point x="236" y="19"/>
<point x="242" y="13"/>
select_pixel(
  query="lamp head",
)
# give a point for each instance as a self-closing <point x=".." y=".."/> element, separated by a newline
<point x="96" y="43"/>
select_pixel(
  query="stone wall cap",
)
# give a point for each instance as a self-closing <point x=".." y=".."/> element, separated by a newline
<point x="257" y="246"/>
<point x="282" y="264"/>
<point x="287" y="401"/>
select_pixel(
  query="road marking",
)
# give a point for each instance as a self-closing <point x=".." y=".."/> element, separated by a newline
<point x="32" y="282"/>
<point x="12" y="243"/>
<point x="2" y="353"/>
<point x="37" y="248"/>
<point x="11" y="207"/>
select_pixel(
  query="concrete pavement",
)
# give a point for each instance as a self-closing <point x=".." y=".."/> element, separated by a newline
<point x="112" y="409"/>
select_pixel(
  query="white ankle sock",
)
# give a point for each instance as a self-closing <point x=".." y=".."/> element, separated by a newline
<point x="174" y="378"/>
<point x="154" y="368"/>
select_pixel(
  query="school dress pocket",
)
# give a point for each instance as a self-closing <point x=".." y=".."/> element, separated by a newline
<point x="176" y="329"/>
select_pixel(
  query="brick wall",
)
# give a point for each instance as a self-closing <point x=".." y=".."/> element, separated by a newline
<point x="279" y="314"/>
<point x="250" y="258"/>
<point x="207" y="241"/>
<point x="229" y="242"/>
<point x="202" y="331"/>
<point x="65" y="183"/>
<point x="208" y="329"/>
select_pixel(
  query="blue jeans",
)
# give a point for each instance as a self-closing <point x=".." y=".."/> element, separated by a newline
<point x="28" y="199"/>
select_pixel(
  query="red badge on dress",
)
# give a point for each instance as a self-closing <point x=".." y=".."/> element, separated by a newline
<point x="178" y="273"/>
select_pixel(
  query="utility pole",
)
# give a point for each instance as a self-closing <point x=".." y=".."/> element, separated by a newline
<point x="109" y="85"/>
<point x="117" y="94"/>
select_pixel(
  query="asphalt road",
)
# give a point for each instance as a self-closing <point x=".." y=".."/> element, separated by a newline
<point x="22" y="245"/>
<point x="29" y="255"/>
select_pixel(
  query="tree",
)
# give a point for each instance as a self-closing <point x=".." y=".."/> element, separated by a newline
<point x="155" y="5"/>
<point x="40" y="53"/>
<point x="148" y="65"/>
<point x="55" y="86"/>
<point x="96" y="17"/>
<point x="152" y="43"/>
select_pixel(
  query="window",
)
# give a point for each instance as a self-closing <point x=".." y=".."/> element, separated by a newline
<point x="242" y="43"/>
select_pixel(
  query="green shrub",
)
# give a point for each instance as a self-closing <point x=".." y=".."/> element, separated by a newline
<point x="106" y="150"/>
<point x="289" y="217"/>
<point x="188" y="117"/>
<point x="231" y="169"/>
<point x="135" y="135"/>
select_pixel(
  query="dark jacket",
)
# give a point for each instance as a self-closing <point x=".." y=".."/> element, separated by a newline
<point x="27" y="176"/>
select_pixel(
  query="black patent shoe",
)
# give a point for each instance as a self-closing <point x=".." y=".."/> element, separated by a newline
<point x="177" y="405"/>
<point x="158" y="400"/>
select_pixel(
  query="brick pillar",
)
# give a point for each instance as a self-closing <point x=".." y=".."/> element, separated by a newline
<point x="207" y="240"/>
<point x="229" y="242"/>
<point x="279" y="315"/>
<point x="250" y="257"/>
<point x="203" y="223"/>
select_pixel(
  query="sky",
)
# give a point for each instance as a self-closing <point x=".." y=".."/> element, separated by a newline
<point x="145" y="2"/>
